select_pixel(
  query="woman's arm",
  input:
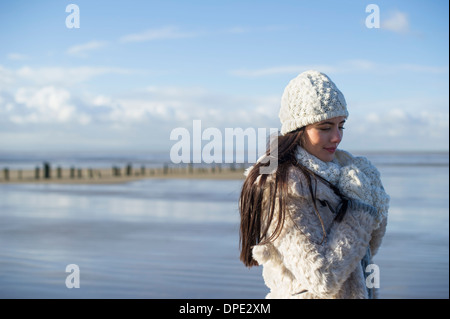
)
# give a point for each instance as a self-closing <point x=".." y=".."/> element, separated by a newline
<point x="322" y="268"/>
<point x="377" y="236"/>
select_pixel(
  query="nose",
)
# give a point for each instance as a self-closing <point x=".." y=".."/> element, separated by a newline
<point x="336" y="136"/>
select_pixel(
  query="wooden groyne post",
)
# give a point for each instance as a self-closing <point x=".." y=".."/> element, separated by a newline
<point x="47" y="171"/>
<point x="128" y="169"/>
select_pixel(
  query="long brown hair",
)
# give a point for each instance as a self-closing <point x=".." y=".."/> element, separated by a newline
<point x="254" y="227"/>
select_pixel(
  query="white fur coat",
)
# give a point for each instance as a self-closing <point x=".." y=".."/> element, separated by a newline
<point x="296" y="264"/>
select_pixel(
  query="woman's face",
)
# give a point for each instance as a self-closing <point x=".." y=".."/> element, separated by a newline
<point x="322" y="138"/>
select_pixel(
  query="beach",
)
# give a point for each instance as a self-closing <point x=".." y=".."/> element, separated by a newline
<point x="127" y="127"/>
<point x="119" y="175"/>
<point x="169" y="236"/>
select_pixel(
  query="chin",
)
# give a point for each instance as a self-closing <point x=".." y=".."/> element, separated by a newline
<point x="327" y="157"/>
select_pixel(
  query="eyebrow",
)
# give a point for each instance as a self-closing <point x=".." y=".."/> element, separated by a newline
<point x="330" y="123"/>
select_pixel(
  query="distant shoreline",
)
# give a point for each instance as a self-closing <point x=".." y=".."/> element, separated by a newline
<point x="91" y="170"/>
<point x="116" y="175"/>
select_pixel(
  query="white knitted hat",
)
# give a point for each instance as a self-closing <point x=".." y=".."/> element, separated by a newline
<point x="309" y="98"/>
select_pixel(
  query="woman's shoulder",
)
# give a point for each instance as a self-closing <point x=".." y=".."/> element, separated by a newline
<point x="295" y="179"/>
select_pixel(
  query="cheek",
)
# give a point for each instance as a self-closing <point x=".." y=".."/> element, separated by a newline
<point x="315" y="138"/>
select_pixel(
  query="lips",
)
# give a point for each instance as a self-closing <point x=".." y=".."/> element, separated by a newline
<point x="330" y="149"/>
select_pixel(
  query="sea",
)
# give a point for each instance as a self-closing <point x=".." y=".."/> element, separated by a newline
<point x="179" y="238"/>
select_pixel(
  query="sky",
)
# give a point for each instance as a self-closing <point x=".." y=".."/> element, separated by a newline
<point x="134" y="71"/>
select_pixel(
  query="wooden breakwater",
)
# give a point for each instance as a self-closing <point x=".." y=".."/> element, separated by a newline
<point x="46" y="173"/>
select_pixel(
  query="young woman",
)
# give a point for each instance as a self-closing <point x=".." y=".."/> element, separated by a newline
<point x="315" y="223"/>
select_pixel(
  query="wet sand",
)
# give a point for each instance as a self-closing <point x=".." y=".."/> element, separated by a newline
<point x="161" y="236"/>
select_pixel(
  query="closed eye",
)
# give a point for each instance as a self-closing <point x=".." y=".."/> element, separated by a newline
<point x="329" y="128"/>
<point x="326" y="126"/>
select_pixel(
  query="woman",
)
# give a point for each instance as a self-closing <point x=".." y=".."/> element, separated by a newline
<point x="315" y="223"/>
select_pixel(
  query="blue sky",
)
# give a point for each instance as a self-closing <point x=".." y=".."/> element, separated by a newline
<point x="136" y="70"/>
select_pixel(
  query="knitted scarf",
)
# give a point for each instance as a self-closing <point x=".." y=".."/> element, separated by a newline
<point x="355" y="177"/>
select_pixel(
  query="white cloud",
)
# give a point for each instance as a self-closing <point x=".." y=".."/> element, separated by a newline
<point x="55" y="75"/>
<point x="174" y="32"/>
<point x="101" y="100"/>
<point x="175" y="92"/>
<point x="47" y="104"/>
<point x="397" y="22"/>
<point x="156" y="110"/>
<point x="422" y="68"/>
<point x="46" y="98"/>
<point x="355" y="65"/>
<point x="42" y="106"/>
<point x="172" y="107"/>
<point x="373" y="117"/>
<point x="169" y="32"/>
<point x="281" y="70"/>
<point x="17" y="57"/>
<point x="246" y="29"/>
<point x="6" y="76"/>
<point x="398" y="128"/>
<point x="180" y="105"/>
<point x="81" y="50"/>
